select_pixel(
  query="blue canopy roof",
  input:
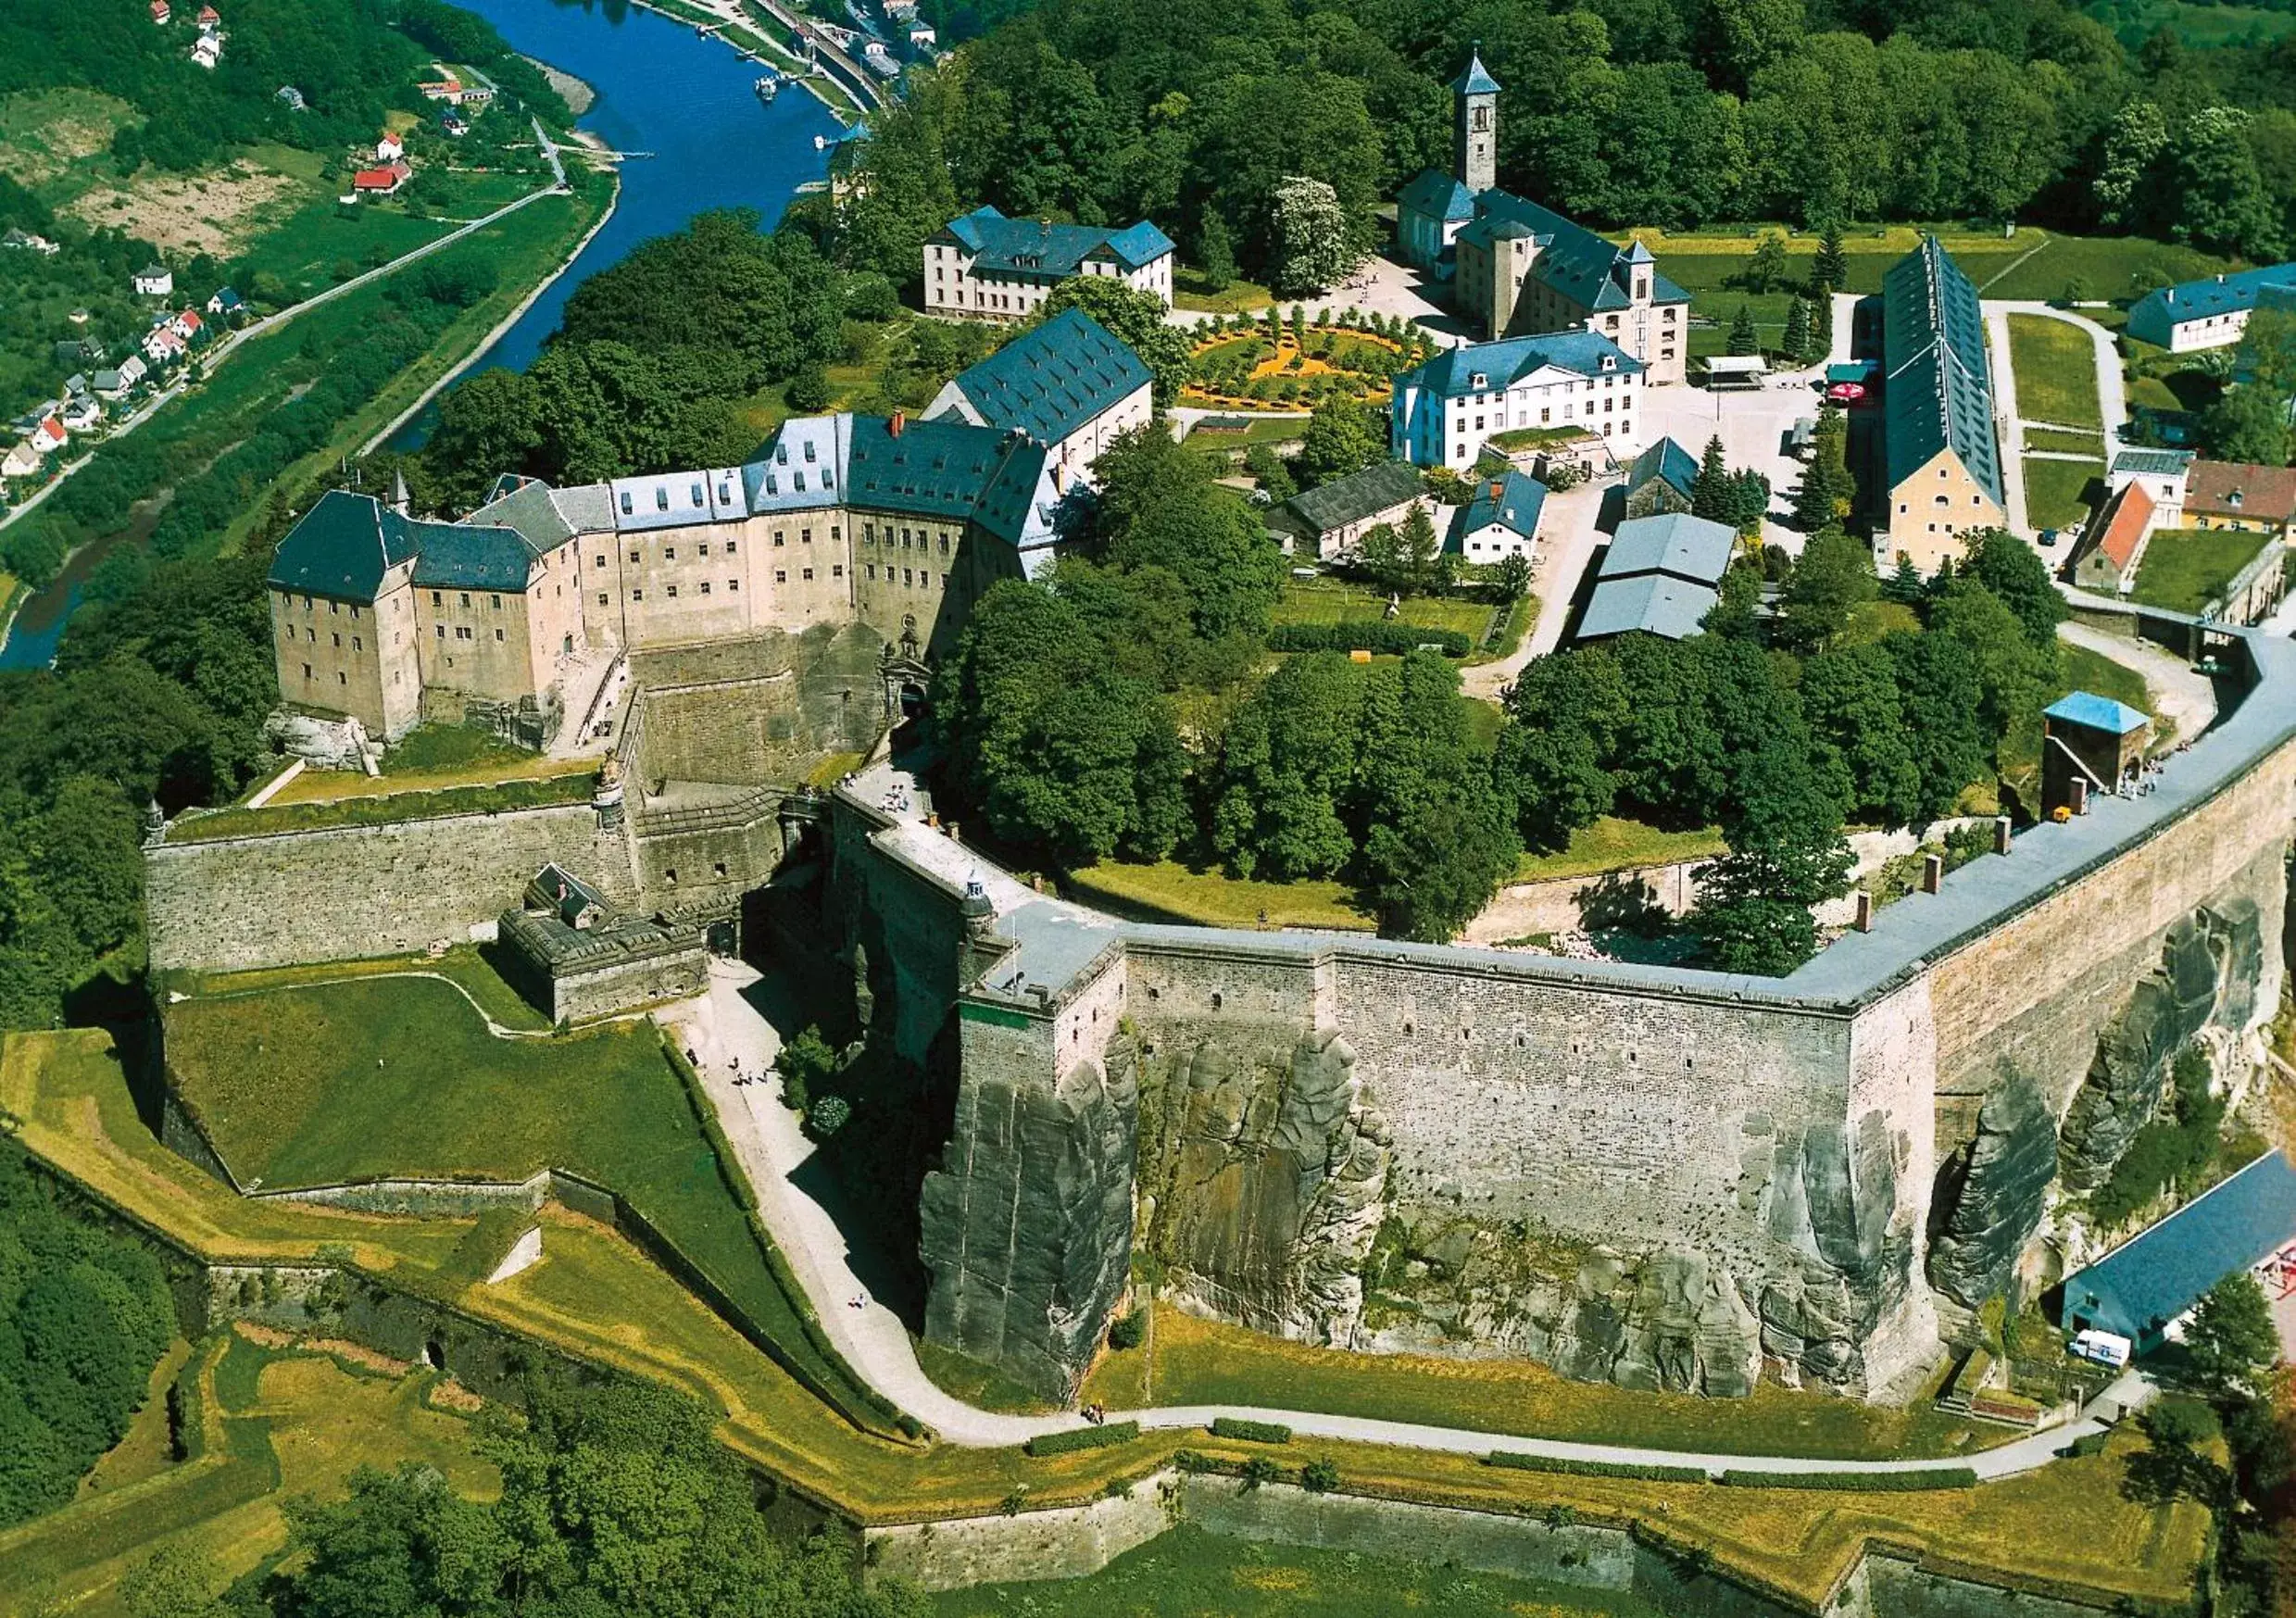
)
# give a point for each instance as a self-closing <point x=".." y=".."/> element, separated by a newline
<point x="2136" y="1289"/>
<point x="2102" y="713"/>
<point x="1476" y="80"/>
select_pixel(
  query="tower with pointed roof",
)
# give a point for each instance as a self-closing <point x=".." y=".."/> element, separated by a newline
<point x="1474" y="125"/>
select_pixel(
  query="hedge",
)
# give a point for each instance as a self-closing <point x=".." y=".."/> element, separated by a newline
<point x="2085" y="1446"/>
<point x="1256" y="1432"/>
<point x="1930" y="1478"/>
<point x="1646" y="1471"/>
<point x="1074" y="1438"/>
<point x="1366" y="634"/>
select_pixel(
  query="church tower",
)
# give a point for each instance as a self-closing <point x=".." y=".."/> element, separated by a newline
<point x="1474" y="125"/>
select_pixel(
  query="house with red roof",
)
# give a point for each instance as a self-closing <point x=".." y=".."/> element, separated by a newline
<point x="388" y="148"/>
<point x="2115" y="542"/>
<point x="384" y="180"/>
<point x="49" y="436"/>
<point x="160" y="12"/>
<point x="210" y="19"/>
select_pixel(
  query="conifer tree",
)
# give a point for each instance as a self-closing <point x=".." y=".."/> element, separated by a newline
<point x="1833" y="264"/>
<point x="1712" y="495"/>
<point x="1821" y="296"/>
<point x="1797" y="329"/>
<point x="1742" y="338"/>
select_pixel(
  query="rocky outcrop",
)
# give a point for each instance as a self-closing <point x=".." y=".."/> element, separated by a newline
<point x="1848" y="1255"/>
<point x="2003" y="1191"/>
<point x="1027" y="1226"/>
<point x="2211" y="965"/>
<point x="1274" y="1189"/>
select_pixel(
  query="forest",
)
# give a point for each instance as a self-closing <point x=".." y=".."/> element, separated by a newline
<point x="1619" y="112"/>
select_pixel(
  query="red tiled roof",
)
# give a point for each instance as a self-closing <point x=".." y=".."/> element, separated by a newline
<point x="2235" y="488"/>
<point x="2126" y="516"/>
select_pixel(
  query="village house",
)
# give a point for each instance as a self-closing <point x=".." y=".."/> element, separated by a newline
<point x="384" y="180"/>
<point x="1069" y="385"/>
<point x="2209" y="313"/>
<point x="160" y="12"/>
<point x="1444" y="411"/>
<point x="1942" y="460"/>
<point x="2221" y="494"/>
<point x="451" y="122"/>
<point x="2115" y="543"/>
<point x="164" y="344"/>
<point x="25" y="240"/>
<point x="226" y="304"/>
<point x="23" y="461"/>
<point x="154" y="280"/>
<point x="985" y="267"/>
<point x="210" y="19"/>
<point x="1329" y="521"/>
<point x="207" y="50"/>
<point x="1661" y="575"/>
<point x="114" y="384"/>
<point x="388" y="149"/>
<point x="1660" y="479"/>
<point x="1516" y="268"/>
<point x="1500" y="521"/>
<point x="49" y="436"/>
<point x="2164" y="473"/>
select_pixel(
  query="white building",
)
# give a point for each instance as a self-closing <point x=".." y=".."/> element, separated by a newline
<point x="1500" y="521"/>
<point x="1444" y="412"/>
<point x="2164" y="473"/>
<point x="154" y="280"/>
<point x="985" y="267"/>
<point x="1069" y="385"/>
<point x="2207" y="314"/>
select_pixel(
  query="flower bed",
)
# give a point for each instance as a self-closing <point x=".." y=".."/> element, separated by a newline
<point x="1274" y="362"/>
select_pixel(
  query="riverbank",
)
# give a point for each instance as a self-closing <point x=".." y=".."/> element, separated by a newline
<point x="577" y="94"/>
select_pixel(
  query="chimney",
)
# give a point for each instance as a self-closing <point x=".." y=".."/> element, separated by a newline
<point x="1932" y="871"/>
<point x="1497" y="488"/>
<point x="1865" y="922"/>
<point x="899" y="420"/>
<point x="2001" y="834"/>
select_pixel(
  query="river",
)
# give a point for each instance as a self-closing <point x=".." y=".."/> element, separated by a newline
<point x="660" y="89"/>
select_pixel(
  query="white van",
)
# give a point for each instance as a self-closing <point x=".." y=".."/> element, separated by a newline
<point x="2102" y="1349"/>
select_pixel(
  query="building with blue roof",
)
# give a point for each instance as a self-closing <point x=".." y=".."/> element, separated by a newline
<point x="1942" y="456"/>
<point x="1517" y="267"/>
<point x="2089" y="744"/>
<point x="1500" y="521"/>
<point x="1445" y="411"/>
<point x="2147" y="1284"/>
<point x="983" y="266"/>
<point x="1661" y="480"/>
<point x="1661" y="575"/>
<point x="1069" y="385"/>
<point x="2210" y="313"/>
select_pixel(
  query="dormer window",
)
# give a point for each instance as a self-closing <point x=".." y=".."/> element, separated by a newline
<point x="725" y="493"/>
<point x="661" y="499"/>
<point x="781" y="454"/>
<point x="808" y="449"/>
<point x="1479" y="382"/>
<point x="696" y="489"/>
<point x="829" y="478"/>
<point x="1609" y="363"/>
<point x="2235" y="499"/>
<point x="773" y="485"/>
<point x="796" y="482"/>
<point x="625" y="502"/>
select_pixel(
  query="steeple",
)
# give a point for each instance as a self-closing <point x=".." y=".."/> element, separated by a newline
<point x="400" y="499"/>
<point x="1474" y="125"/>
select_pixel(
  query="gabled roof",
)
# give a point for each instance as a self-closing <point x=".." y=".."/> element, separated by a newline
<point x="1653" y="603"/>
<point x="1584" y="268"/>
<point x="2136" y="1289"/>
<point x="1053" y="379"/>
<point x="801" y="467"/>
<point x="1437" y="195"/>
<point x="1512" y="502"/>
<point x="930" y="468"/>
<point x="543" y="517"/>
<point x="1691" y="548"/>
<point x="468" y="556"/>
<point x="1452" y="373"/>
<point x="1668" y="463"/>
<point x="2099" y="714"/>
<point x="2239" y="488"/>
<point x="1015" y="505"/>
<point x="2127" y="518"/>
<point x="1940" y="393"/>
<point x="1358" y="495"/>
<point x="2216" y="295"/>
<point x="1040" y="249"/>
<point x="341" y="547"/>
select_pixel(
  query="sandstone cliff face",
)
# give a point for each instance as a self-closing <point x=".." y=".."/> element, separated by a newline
<point x="2001" y="1194"/>
<point x="1027" y="1226"/>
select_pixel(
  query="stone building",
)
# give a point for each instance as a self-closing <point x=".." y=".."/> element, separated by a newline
<point x="1661" y="480"/>
<point x="1445" y="411"/>
<point x="1069" y="385"/>
<point x="1517" y="268"/>
<point x="577" y="959"/>
<point x="985" y="267"/>
<point x="1940" y="447"/>
<point x="1330" y="521"/>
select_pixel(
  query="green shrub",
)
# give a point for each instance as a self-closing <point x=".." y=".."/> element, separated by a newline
<point x="1259" y="1470"/>
<point x="1319" y="1476"/>
<point x="1577" y="1468"/>
<point x="1895" y="1483"/>
<point x="1366" y="635"/>
<point x="828" y="1114"/>
<point x="1253" y="1432"/>
<point x="2087" y="1445"/>
<point x="1071" y="1439"/>
<point x="1128" y="1331"/>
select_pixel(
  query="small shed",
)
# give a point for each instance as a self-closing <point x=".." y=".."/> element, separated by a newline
<point x="2145" y="1286"/>
<point x="1331" y="521"/>
<point x="1736" y="373"/>
<point x="1864" y="373"/>
<point x="2089" y="744"/>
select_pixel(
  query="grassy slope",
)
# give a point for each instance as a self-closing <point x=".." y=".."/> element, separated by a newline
<point x="1611" y="844"/>
<point x="1169" y="891"/>
<point x="2185" y="569"/>
<point x="1330" y="600"/>
<point x="594" y="1297"/>
<point x="367" y="1078"/>
<point x="287" y="813"/>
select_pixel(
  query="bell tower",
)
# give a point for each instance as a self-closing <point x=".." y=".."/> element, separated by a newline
<point x="1474" y="125"/>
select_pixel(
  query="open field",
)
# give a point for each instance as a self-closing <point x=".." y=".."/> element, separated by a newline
<point x="276" y="1423"/>
<point x="1613" y="844"/>
<point x="1169" y="891"/>
<point x="2185" y="569"/>
<point x="2056" y="492"/>
<point x="1188" y="1572"/>
<point x="2088" y="443"/>
<point x="1332" y="600"/>
<point x="314" y="787"/>
<point x="2056" y="370"/>
<point x="51" y="140"/>
<point x="593" y="1296"/>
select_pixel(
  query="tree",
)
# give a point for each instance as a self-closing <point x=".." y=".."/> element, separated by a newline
<point x="1940" y="698"/>
<point x="1285" y="760"/>
<point x="1833" y="577"/>
<point x="1267" y="469"/>
<point x="1766" y="269"/>
<point x="1797" y="339"/>
<point x="2230" y="1339"/>
<point x="2132" y="145"/>
<point x="1342" y="436"/>
<point x="1215" y="254"/>
<point x="1827" y="488"/>
<point x="809" y="390"/>
<point x="1134" y="317"/>
<point x="1712" y="495"/>
<point x="2014" y="572"/>
<point x="178" y="1581"/>
<point x="1314" y="244"/>
<point x="1158" y="506"/>
<point x="1820" y="293"/>
<point x="2246" y="424"/>
<point x="1407" y="560"/>
<point x="1743" y="340"/>
<point x="1832" y="267"/>
<point x="1436" y="836"/>
<point x="1565" y="716"/>
<point x="1857" y="714"/>
<point x="1786" y="854"/>
<point x="2221" y="199"/>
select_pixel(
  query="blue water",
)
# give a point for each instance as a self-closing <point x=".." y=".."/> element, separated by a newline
<point x="661" y="89"/>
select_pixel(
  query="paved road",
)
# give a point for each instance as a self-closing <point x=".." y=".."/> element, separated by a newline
<point x="729" y="1033"/>
<point x="1569" y="543"/>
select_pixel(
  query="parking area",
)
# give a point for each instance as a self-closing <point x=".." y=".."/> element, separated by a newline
<point x="1754" y="425"/>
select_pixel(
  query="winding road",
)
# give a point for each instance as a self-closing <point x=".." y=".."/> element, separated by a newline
<point x="732" y="1035"/>
<point x="2112" y="398"/>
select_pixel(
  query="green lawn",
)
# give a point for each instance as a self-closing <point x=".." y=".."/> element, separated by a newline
<point x="464" y="965"/>
<point x="2089" y="444"/>
<point x="2056" y="492"/>
<point x="379" y="809"/>
<point x="366" y="1078"/>
<point x="1239" y="297"/>
<point x="2103" y="267"/>
<point x="1188" y="1573"/>
<point x="1332" y="600"/>
<point x="2185" y="569"/>
<point x="1613" y="844"/>
<point x="2056" y="366"/>
<point x="1169" y="891"/>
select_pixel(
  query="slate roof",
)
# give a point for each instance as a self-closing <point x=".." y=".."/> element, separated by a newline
<point x="2159" y="463"/>
<point x="2137" y="1288"/>
<point x="463" y="555"/>
<point x="1653" y="603"/>
<point x="341" y="547"/>
<point x="1512" y="502"/>
<point x="1040" y="249"/>
<point x="1437" y="195"/>
<point x="2237" y="488"/>
<point x="931" y="469"/>
<point x="1009" y="506"/>
<point x="2099" y="714"/>
<point x="1452" y="372"/>
<point x="1668" y="461"/>
<point x="1476" y="80"/>
<point x="786" y="472"/>
<point x="1940" y="393"/>
<point x="1691" y="548"/>
<point x="1584" y="268"/>
<point x="1358" y="495"/>
<point x="539" y="512"/>
<point x="1054" y="378"/>
<point x="2216" y="295"/>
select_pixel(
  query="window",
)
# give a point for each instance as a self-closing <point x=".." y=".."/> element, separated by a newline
<point x="338" y="641"/>
<point x="780" y="538"/>
<point x="356" y="645"/>
<point x="495" y="602"/>
<point x="805" y="536"/>
<point x="497" y="636"/>
<point x="704" y="586"/>
<point x="307" y="671"/>
<point x="673" y="592"/>
<point x="829" y="478"/>
<point x="661" y="499"/>
<point x="944" y="544"/>
<point x="637" y="595"/>
<point x="781" y="575"/>
<point x="462" y="632"/>
<point x="625" y="502"/>
<point x="601" y="558"/>
<point x="341" y="678"/>
<point x="729" y="547"/>
<point x="796" y="482"/>
<point x="807" y="573"/>
<point x="436" y="599"/>
<point x="354" y="610"/>
<point x="668" y="553"/>
<point x="733" y="586"/>
<point x="465" y="596"/>
<point x="634" y="555"/>
<point x="836" y="569"/>
<point x="602" y="599"/>
<point x="873" y="569"/>
<point x="693" y="489"/>
<point x="908" y="576"/>
<point x="441" y="630"/>
<point x="704" y="548"/>
<point x="334" y="607"/>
